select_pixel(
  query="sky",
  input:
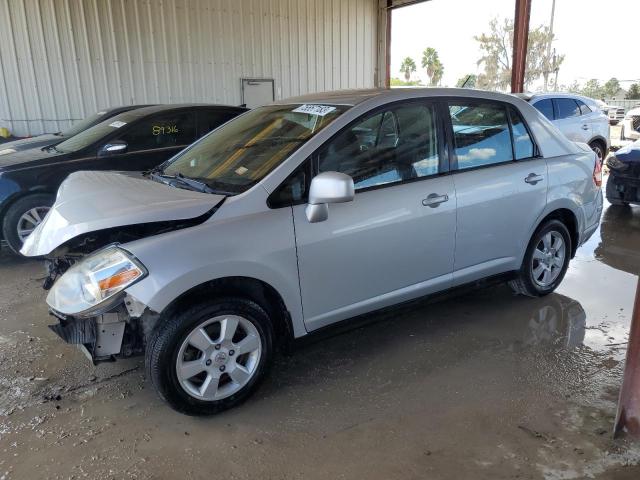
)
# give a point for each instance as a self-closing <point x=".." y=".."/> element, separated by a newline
<point x="598" y="37"/>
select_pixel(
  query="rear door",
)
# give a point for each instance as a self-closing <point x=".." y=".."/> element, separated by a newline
<point x="395" y="241"/>
<point x="501" y="187"/>
<point x="570" y="120"/>
<point x="153" y="140"/>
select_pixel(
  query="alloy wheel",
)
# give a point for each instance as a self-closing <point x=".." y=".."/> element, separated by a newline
<point x="29" y="220"/>
<point x="219" y="357"/>
<point x="548" y="259"/>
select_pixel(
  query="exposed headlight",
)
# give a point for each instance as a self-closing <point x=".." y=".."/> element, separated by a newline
<point x="89" y="285"/>
<point x="7" y="151"/>
<point x="615" y="164"/>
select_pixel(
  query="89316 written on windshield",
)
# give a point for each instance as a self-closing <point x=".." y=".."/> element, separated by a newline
<point x="243" y="151"/>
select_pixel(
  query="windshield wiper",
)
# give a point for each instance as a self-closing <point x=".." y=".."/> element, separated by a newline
<point x="190" y="183"/>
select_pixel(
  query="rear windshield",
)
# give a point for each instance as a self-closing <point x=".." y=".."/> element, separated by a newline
<point x="243" y="151"/>
<point x="95" y="133"/>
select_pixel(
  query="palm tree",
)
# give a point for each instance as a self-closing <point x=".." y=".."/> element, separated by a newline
<point x="430" y="61"/>
<point x="438" y="71"/>
<point x="407" y="67"/>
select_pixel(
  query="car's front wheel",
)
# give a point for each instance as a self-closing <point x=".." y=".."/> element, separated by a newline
<point x="546" y="260"/>
<point x="210" y="357"/>
<point x="23" y="217"/>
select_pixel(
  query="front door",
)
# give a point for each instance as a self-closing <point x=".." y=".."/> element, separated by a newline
<point x="395" y="241"/>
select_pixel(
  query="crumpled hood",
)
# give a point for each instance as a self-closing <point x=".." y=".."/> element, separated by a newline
<point x="92" y="201"/>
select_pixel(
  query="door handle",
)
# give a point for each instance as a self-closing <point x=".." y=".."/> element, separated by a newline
<point x="433" y="200"/>
<point x="533" y="178"/>
<point x="585" y="127"/>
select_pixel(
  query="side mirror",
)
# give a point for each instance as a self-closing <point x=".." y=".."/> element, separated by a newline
<point x="326" y="188"/>
<point x="117" y="146"/>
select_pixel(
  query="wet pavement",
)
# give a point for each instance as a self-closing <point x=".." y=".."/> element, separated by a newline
<point x="486" y="385"/>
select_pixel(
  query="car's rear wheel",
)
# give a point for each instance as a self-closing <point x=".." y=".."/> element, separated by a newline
<point x="210" y="357"/>
<point x="599" y="150"/>
<point x="23" y="217"/>
<point x="546" y="260"/>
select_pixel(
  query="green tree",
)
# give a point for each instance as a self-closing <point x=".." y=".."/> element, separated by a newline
<point x="469" y="81"/>
<point x="497" y="49"/>
<point x="611" y="87"/>
<point x="593" y="89"/>
<point x="431" y="62"/>
<point x="634" y="92"/>
<point x="407" y="67"/>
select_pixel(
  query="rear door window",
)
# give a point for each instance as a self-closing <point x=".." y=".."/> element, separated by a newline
<point x="584" y="108"/>
<point x="481" y="134"/>
<point x="161" y="131"/>
<point x="522" y="143"/>
<point x="566" y="108"/>
<point x="545" y="107"/>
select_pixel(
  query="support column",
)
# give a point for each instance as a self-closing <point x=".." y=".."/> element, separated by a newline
<point x="520" y="40"/>
<point x="628" y="418"/>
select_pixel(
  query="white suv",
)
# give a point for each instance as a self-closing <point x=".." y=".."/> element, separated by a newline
<point x="631" y="124"/>
<point x="579" y="118"/>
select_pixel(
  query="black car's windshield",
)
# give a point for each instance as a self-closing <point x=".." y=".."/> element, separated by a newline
<point x="83" y="124"/>
<point x="95" y="133"/>
<point x="242" y="152"/>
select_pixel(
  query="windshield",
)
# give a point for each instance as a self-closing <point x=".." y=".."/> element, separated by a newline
<point x="83" y="124"/>
<point x="243" y="151"/>
<point x="95" y="133"/>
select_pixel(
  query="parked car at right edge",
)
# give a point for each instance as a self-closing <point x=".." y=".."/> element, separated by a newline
<point x="623" y="185"/>
<point x="631" y="125"/>
<point x="304" y="213"/>
<point x="579" y="118"/>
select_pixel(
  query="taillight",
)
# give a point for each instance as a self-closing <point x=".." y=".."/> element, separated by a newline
<point x="597" y="173"/>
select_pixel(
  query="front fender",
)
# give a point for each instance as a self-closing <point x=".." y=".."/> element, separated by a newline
<point x="259" y="246"/>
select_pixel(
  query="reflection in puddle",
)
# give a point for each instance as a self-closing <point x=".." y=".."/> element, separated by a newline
<point x="620" y="239"/>
<point x="560" y="323"/>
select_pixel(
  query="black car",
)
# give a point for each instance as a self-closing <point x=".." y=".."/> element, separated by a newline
<point x="135" y="140"/>
<point x="623" y="186"/>
<point x="47" y="139"/>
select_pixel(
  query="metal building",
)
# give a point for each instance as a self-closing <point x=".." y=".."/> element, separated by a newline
<point x="61" y="60"/>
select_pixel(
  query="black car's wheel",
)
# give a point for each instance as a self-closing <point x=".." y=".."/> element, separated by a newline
<point x="210" y="357"/>
<point x="23" y="217"/>
<point x="545" y="262"/>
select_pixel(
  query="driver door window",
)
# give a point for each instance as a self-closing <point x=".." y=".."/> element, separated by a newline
<point x="392" y="146"/>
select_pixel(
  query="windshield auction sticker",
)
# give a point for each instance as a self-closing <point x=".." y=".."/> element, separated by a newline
<point x="117" y="124"/>
<point x="319" y="110"/>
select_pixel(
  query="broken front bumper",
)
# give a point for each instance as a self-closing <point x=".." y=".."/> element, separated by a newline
<point x="105" y="337"/>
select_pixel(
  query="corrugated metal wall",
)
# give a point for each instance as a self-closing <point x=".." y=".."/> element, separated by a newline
<point x="61" y="60"/>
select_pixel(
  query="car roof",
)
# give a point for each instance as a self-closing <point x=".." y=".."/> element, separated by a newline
<point x="530" y="97"/>
<point x="355" y="97"/>
<point x="132" y="115"/>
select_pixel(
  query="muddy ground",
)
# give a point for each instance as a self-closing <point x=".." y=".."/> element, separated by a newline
<point x="486" y="385"/>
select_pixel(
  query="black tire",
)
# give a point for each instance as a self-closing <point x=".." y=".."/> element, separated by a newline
<point x="164" y="344"/>
<point x="524" y="283"/>
<point x="597" y="146"/>
<point x="15" y="211"/>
